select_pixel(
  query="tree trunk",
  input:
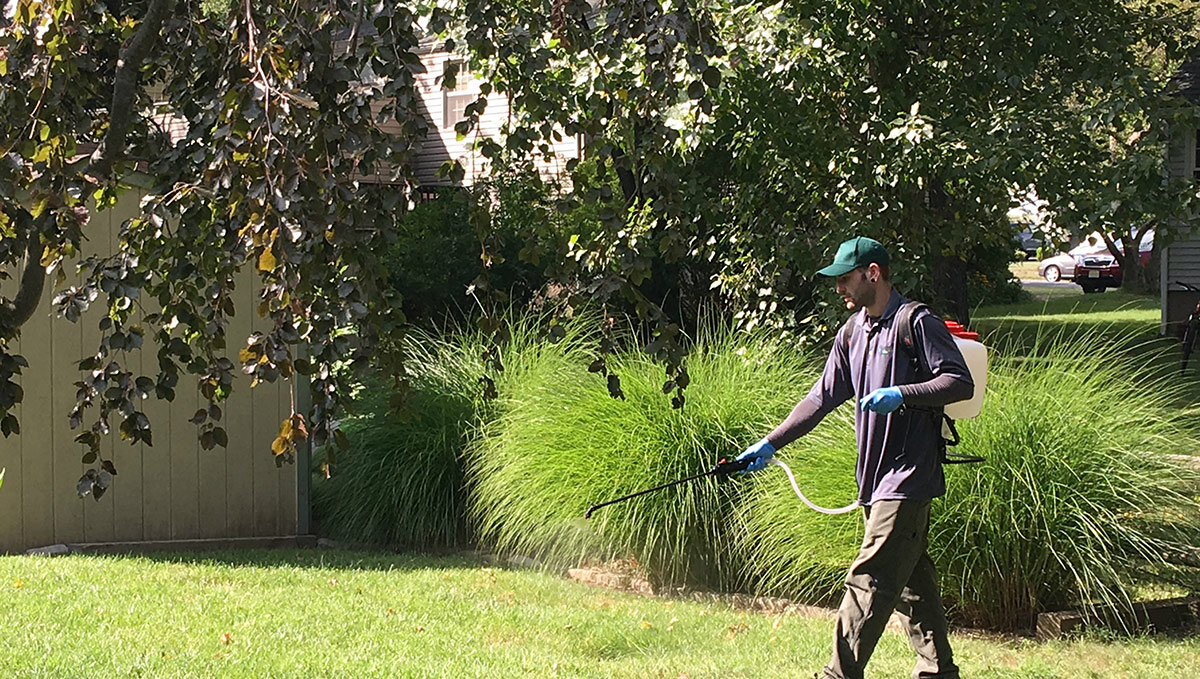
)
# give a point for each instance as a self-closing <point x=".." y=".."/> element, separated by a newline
<point x="1138" y="279"/>
<point x="950" y="280"/>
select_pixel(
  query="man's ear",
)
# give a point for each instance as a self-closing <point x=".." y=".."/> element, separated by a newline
<point x="873" y="272"/>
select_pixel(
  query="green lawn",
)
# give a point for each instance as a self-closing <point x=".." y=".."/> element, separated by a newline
<point x="1111" y="311"/>
<point x="310" y="614"/>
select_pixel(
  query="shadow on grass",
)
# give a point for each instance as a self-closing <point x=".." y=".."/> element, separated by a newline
<point x="310" y="558"/>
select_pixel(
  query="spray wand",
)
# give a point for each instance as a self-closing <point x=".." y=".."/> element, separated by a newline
<point x="724" y="468"/>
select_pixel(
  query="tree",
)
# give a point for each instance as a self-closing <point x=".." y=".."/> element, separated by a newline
<point x="731" y="145"/>
<point x="913" y="121"/>
<point x="284" y="111"/>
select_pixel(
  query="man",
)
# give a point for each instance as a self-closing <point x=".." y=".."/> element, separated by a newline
<point x="899" y="470"/>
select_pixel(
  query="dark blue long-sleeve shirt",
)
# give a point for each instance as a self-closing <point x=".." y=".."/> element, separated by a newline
<point x="899" y="456"/>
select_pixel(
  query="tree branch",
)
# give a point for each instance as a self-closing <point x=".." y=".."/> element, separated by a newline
<point x="129" y="65"/>
<point x="14" y="314"/>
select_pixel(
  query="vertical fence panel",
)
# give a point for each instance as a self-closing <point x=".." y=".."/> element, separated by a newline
<point x="239" y="465"/>
<point x="265" y="422"/>
<point x="211" y="482"/>
<point x="98" y="515"/>
<point x="11" y="453"/>
<point x="66" y="350"/>
<point x="156" y="458"/>
<point x="130" y="483"/>
<point x="185" y="501"/>
<point x="37" y="442"/>
<point x="286" y="478"/>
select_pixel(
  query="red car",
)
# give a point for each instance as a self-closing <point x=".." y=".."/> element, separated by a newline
<point x="1097" y="271"/>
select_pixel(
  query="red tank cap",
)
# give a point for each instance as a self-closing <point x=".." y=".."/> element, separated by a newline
<point x="957" y="330"/>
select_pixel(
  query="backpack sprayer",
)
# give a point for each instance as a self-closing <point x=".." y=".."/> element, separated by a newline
<point x="973" y="352"/>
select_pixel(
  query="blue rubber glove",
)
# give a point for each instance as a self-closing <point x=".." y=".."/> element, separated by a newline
<point x="758" y="454"/>
<point x="885" y="400"/>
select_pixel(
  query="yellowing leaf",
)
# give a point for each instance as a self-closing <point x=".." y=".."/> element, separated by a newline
<point x="266" y="261"/>
<point x="18" y="584"/>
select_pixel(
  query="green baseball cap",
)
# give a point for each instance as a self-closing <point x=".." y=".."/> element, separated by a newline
<point x="855" y="253"/>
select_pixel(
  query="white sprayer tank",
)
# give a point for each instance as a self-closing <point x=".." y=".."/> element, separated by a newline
<point x="975" y="355"/>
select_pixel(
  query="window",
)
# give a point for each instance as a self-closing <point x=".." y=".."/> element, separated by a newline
<point x="1196" y="156"/>
<point x="455" y="99"/>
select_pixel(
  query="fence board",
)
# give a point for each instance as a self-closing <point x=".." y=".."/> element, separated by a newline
<point x="239" y="464"/>
<point x="11" y="453"/>
<point x="66" y="350"/>
<point x="37" y="440"/>
<point x="98" y="516"/>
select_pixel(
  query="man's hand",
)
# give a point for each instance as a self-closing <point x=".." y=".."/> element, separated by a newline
<point x="757" y="454"/>
<point x="885" y="400"/>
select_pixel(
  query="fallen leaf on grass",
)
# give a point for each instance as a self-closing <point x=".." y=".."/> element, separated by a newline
<point x="737" y="629"/>
<point x="646" y="625"/>
<point x="226" y="638"/>
<point x="18" y="584"/>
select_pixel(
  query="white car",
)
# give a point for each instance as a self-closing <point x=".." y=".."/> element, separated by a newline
<point x="1062" y="266"/>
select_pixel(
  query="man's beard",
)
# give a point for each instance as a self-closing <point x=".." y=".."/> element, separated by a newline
<point x="865" y="299"/>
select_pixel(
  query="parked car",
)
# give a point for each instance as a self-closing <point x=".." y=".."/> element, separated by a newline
<point x="1096" y="272"/>
<point x="1062" y="266"/>
<point x="1026" y="242"/>
<point x="1090" y="264"/>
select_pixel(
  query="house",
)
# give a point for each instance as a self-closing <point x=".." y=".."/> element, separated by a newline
<point x="1180" y="261"/>
<point x="444" y="107"/>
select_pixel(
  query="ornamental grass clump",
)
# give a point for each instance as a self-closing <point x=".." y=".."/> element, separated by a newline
<point x="560" y="443"/>
<point x="401" y="481"/>
<point x="786" y="548"/>
<point x="1088" y="491"/>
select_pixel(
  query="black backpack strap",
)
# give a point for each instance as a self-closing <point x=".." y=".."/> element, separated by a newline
<point x="905" y="335"/>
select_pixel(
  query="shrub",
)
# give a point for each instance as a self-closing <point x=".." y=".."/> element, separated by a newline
<point x="401" y="481"/>
<point x="1084" y="495"/>
<point x="1079" y="502"/>
<point x="437" y="253"/>
<point x="560" y="444"/>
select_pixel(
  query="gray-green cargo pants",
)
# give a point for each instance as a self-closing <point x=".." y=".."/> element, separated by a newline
<point x="893" y="571"/>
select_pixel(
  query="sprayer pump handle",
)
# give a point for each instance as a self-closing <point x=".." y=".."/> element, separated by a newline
<point x="725" y="467"/>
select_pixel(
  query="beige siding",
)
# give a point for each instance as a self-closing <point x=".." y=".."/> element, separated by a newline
<point x="442" y="143"/>
<point x="1180" y="156"/>
<point x="171" y="490"/>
